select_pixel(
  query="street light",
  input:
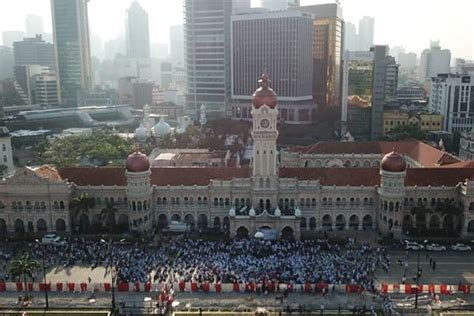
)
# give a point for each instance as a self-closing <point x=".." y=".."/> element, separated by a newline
<point x="112" y="276"/>
<point x="418" y="273"/>
<point x="44" y="274"/>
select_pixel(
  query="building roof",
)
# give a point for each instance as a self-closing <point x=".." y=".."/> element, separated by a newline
<point x="424" y="154"/>
<point x="94" y="176"/>
<point x="47" y="172"/>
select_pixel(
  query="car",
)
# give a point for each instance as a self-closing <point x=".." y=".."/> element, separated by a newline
<point x="411" y="245"/>
<point x="52" y="239"/>
<point x="435" y="247"/>
<point x="460" y="247"/>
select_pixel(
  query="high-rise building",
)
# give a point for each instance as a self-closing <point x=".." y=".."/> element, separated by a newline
<point x="6" y="62"/>
<point x="25" y="81"/>
<point x="166" y="74"/>
<point x="34" y="25"/>
<point x="285" y="57"/>
<point x="452" y="96"/>
<point x="327" y="52"/>
<point x="279" y="5"/>
<point x="34" y="51"/>
<point x="137" y="32"/>
<point x="384" y="87"/>
<point x="366" y="33"/>
<point x="351" y="38"/>
<point x="72" y="45"/>
<point x="241" y="6"/>
<point x="407" y="60"/>
<point x="207" y="58"/>
<point x="434" y="61"/>
<point x="370" y="82"/>
<point x="9" y="37"/>
<point x="46" y="92"/>
<point x="462" y="66"/>
<point x="177" y="44"/>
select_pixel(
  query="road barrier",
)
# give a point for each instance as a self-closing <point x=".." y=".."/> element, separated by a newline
<point x="384" y="288"/>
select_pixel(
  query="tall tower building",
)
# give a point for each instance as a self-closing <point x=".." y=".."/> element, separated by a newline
<point x="207" y="51"/>
<point x="351" y="39"/>
<point x="72" y="45"/>
<point x="34" y="25"/>
<point x="434" y="61"/>
<point x="279" y="5"/>
<point x="286" y="56"/>
<point x="34" y="51"/>
<point x="137" y="32"/>
<point x="177" y="44"/>
<point x="366" y="33"/>
<point x="327" y="52"/>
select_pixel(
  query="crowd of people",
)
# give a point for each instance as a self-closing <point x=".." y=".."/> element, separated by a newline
<point x="242" y="261"/>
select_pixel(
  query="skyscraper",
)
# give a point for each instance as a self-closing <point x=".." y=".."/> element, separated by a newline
<point x="177" y="44"/>
<point x="72" y="44"/>
<point x="286" y="57"/>
<point x="327" y="52"/>
<point x="366" y="33"/>
<point x="279" y="5"/>
<point x="207" y="56"/>
<point x="34" y="51"/>
<point x="34" y="25"/>
<point x="137" y="32"/>
<point x="351" y="39"/>
<point x="434" y="61"/>
<point x="6" y="62"/>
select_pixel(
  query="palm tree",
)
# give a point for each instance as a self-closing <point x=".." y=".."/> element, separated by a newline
<point x="80" y="206"/>
<point x="25" y="266"/>
<point x="108" y="214"/>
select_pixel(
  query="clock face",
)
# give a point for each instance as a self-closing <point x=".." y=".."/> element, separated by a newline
<point x="264" y="123"/>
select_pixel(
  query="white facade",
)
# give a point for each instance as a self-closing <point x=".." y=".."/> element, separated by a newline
<point x="6" y="152"/>
<point x="466" y="146"/>
<point x="452" y="96"/>
<point x="434" y="61"/>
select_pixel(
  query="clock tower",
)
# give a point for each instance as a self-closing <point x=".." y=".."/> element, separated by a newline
<point x="264" y="133"/>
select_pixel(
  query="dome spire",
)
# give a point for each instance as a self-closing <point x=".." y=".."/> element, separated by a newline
<point x="264" y="95"/>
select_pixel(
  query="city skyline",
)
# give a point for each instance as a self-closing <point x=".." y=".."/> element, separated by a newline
<point x="163" y="15"/>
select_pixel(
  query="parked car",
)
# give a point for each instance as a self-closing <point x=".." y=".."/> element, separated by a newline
<point x="411" y="245"/>
<point x="435" y="247"/>
<point x="460" y="247"/>
<point x="53" y="239"/>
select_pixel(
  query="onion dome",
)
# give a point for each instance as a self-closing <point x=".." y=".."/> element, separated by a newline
<point x="162" y="128"/>
<point x="277" y="212"/>
<point x="137" y="162"/>
<point x="140" y="133"/>
<point x="264" y="94"/>
<point x="252" y="212"/>
<point x="393" y="162"/>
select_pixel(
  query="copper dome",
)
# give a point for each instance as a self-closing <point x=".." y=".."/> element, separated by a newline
<point x="137" y="162"/>
<point x="393" y="162"/>
<point x="264" y="94"/>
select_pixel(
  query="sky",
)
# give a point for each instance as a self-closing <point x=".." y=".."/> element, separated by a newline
<point x="409" y="23"/>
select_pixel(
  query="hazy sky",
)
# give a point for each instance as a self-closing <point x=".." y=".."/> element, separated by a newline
<point x="410" y="23"/>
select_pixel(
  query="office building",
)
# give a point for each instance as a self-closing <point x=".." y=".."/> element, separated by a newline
<point x="6" y="151"/>
<point x="9" y="37"/>
<point x="452" y="96"/>
<point x="434" y="61"/>
<point x="72" y="44"/>
<point x="370" y="83"/>
<point x="466" y="145"/>
<point x="285" y="57"/>
<point x="279" y="5"/>
<point x="34" y="25"/>
<point x="137" y="32"/>
<point x="132" y="67"/>
<point x="177" y="44"/>
<point x="25" y="81"/>
<point x="407" y="60"/>
<point x="46" y="93"/>
<point x="6" y="62"/>
<point x="463" y="66"/>
<point x="34" y="51"/>
<point x="328" y="35"/>
<point x="207" y="51"/>
<point x="366" y="33"/>
<point x="351" y="38"/>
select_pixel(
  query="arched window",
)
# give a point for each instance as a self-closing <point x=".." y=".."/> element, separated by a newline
<point x="186" y="200"/>
<point x="313" y="202"/>
<point x="302" y="202"/>
<point x="227" y="202"/>
<point x="216" y="201"/>
<point x="158" y="201"/>
<point x="61" y="205"/>
<point x="165" y="201"/>
<point x="221" y="202"/>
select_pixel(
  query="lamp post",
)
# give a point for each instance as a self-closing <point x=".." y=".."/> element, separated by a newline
<point x="112" y="269"/>
<point x="418" y="273"/>
<point x="44" y="273"/>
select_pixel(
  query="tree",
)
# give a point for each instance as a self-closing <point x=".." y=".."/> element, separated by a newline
<point x="108" y="214"/>
<point x="80" y="206"/>
<point x="402" y="132"/>
<point x="24" y="266"/>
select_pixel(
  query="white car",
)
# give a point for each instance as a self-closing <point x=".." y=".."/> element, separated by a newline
<point x="52" y="239"/>
<point x="460" y="247"/>
<point x="411" y="245"/>
<point x="435" y="247"/>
